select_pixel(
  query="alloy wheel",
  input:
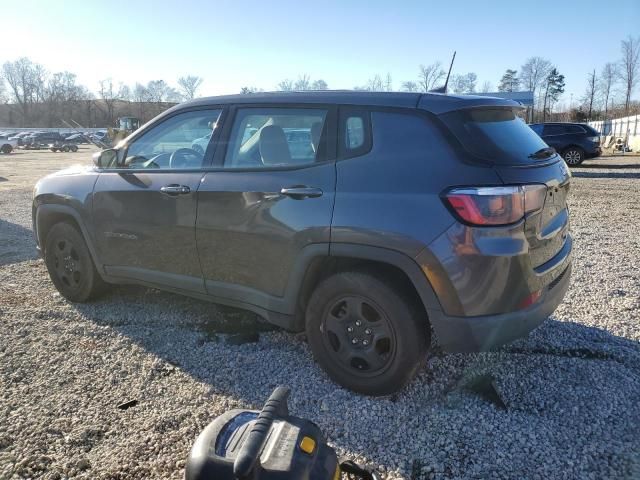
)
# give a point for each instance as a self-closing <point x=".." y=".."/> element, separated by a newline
<point x="572" y="157"/>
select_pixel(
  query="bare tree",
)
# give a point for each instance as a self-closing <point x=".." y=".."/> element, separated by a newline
<point x="388" y="83"/>
<point x="486" y="87"/>
<point x="629" y="67"/>
<point x="25" y="80"/>
<point x="2" y="90"/>
<point x="375" y="84"/>
<point x="285" y="85"/>
<point x="303" y="82"/>
<point x="463" y="83"/>
<point x="590" y="93"/>
<point x="248" y="90"/>
<point x="456" y="83"/>
<point x="110" y="95"/>
<point x="534" y="73"/>
<point x="188" y="86"/>
<point x="319" y="85"/>
<point x="409" y="86"/>
<point x="430" y="75"/>
<point x="62" y="95"/>
<point x="608" y="78"/>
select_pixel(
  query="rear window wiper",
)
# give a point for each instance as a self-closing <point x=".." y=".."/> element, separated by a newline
<point x="545" y="152"/>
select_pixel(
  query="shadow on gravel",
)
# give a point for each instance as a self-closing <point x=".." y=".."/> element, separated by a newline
<point x="605" y="164"/>
<point x="581" y="174"/>
<point x="194" y="335"/>
<point x="16" y="243"/>
<point x="553" y="389"/>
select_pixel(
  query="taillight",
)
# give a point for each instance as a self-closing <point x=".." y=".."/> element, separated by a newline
<point x="495" y="205"/>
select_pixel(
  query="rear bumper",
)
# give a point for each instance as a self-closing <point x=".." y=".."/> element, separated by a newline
<point x="595" y="152"/>
<point x="476" y="334"/>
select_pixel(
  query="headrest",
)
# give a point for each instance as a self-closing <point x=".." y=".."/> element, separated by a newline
<point x="274" y="148"/>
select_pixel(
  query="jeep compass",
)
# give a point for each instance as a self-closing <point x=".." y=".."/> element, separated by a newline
<point x="368" y="220"/>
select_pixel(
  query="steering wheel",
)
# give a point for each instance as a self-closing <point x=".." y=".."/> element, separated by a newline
<point x="185" y="158"/>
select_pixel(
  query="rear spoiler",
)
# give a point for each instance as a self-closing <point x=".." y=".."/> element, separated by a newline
<point x="438" y="103"/>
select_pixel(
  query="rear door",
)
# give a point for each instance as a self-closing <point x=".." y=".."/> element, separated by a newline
<point x="269" y="200"/>
<point x="555" y="136"/>
<point x="144" y="209"/>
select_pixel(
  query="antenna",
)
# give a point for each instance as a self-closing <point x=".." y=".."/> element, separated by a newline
<point x="443" y="89"/>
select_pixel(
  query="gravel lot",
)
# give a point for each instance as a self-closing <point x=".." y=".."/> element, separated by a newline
<point x="572" y="389"/>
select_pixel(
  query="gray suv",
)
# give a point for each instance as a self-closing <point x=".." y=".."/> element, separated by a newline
<point x="368" y="220"/>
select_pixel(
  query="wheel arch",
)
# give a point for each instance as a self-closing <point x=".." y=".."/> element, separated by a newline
<point x="570" y="146"/>
<point x="47" y="215"/>
<point x="402" y="269"/>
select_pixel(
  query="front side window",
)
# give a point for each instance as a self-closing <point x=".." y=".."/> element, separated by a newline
<point x="179" y="142"/>
<point x="276" y="137"/>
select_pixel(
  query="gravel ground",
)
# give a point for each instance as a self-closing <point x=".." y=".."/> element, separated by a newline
<point x="572" y="389"/>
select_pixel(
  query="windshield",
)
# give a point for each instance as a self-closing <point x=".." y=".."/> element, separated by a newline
<point x="497" y="135"/>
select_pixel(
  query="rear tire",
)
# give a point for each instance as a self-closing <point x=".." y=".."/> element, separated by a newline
<point x="70" y="265"/>
<point x="368" y="336"/>
<point x="573" y="156"/>
<point x="6" y="149"/>
<point x="65" y="148"/>
<point x="74" y="148"/>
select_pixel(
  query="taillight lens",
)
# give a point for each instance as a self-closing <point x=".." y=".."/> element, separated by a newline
<point x="485" y="206"/>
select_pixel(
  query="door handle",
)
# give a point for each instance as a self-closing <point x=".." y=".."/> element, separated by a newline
<point x="299" y="193"/>
<point x="174" y="189"/>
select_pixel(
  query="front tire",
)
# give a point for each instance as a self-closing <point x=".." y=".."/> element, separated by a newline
<point x="6" y="149"/>
<point x="368" y="336"/>
<point x="573" y="156"/>
<point x="70" y="265"/>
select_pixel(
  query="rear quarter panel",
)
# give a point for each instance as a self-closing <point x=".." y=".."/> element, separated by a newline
<point x="390" y="197"/>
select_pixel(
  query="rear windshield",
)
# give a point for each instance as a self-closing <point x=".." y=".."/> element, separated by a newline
<point x="497" y="135"/>
<point x="591" y="131"/>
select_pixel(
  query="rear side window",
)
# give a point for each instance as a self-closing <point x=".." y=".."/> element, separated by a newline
<point x="354" y="137"/>
<point x="496" y="135"/>
<point x="555" y="130"/>
<point x="575" y="129"/>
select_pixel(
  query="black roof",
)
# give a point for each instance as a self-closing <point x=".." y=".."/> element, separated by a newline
<point x="433" y="102"/>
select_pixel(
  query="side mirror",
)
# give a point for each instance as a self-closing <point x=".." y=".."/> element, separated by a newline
<point x="106" y="158"/>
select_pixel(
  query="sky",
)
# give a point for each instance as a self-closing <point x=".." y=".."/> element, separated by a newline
<point x="239" y="43"/>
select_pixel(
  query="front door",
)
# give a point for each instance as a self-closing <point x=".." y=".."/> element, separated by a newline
<point x="144" y="210"/>
<point x="270" y="199"/>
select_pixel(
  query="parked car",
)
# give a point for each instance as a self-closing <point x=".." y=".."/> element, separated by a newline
<point x="19" y="137"/>
<point x="41" y="139"/>
<point x="408" y="212"/>
<point x="7" y="144"/>
<point x="76" y="138"/>
<point x="576" y="142"/>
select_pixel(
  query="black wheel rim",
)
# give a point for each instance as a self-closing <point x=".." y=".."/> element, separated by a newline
<point x="67" y="264"/>
<point x="358" y="336"/>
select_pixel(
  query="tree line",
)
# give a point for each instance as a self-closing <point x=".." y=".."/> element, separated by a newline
<point x="35" y="97"/>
